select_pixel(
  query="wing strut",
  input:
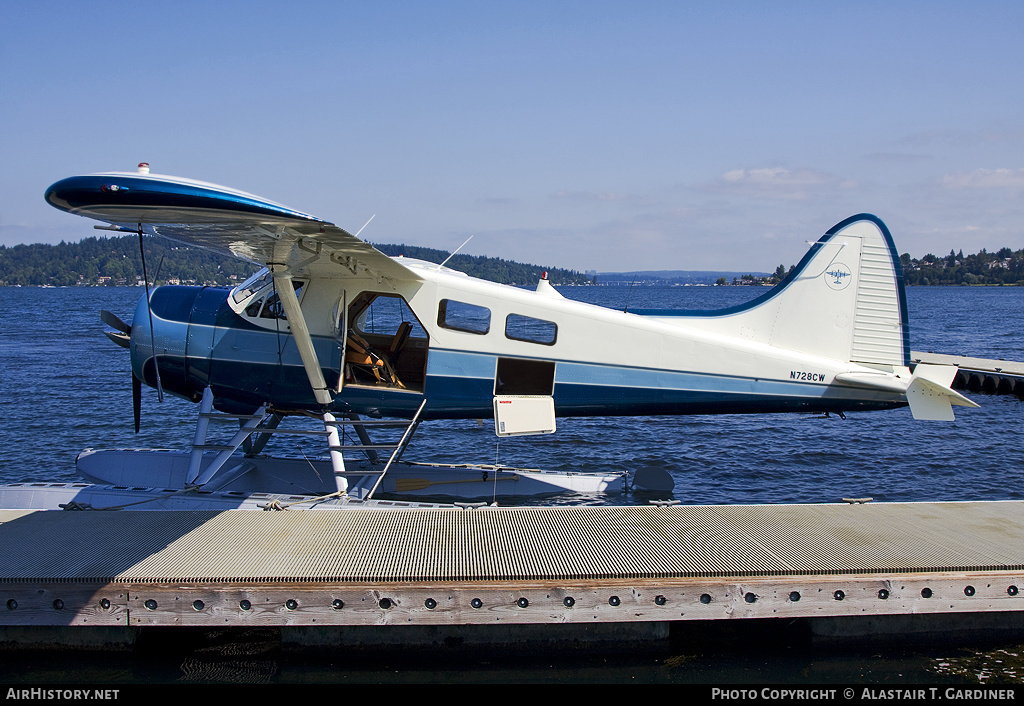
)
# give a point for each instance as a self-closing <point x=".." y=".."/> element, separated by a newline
<point x="286" y="292"/>
<point x="149" y="308"/>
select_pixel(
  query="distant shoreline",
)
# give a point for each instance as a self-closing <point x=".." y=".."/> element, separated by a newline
<point x="116" y="261"/>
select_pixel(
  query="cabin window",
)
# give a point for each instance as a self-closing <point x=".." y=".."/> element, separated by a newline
<point x="531" y="330"/>
<point x="383" y="314"/>
<point x="460" y="316"/>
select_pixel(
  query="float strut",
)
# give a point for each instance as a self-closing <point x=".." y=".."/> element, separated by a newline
<point x="337" y="457"/>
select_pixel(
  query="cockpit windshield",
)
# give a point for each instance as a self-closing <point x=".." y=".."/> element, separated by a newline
<point x="257" y="297"/>
<point x="249" y="288"/>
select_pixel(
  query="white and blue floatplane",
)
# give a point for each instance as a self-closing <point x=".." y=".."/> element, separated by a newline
<point x="334" y="330"/>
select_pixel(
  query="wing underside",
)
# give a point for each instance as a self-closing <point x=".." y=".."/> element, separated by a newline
<point x="222" y="220"/>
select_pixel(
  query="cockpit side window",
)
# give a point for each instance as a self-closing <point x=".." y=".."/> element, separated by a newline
<point x="253" y="310"/>
<point x="273" y="309"/>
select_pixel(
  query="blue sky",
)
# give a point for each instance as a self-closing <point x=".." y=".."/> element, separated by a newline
<point x="590" y="135"/>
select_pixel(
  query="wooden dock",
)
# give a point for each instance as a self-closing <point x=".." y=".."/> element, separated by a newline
<point x="509" y="566"/>
<point x="1004" y="377"/>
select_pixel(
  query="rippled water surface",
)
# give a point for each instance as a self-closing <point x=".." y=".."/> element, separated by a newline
<point x="65" y="387"/>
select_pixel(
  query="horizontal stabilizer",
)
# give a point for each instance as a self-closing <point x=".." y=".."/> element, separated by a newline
<point x="930" y="396"/>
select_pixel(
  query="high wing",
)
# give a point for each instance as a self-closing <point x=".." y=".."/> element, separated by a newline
<point x="222" y="220"/>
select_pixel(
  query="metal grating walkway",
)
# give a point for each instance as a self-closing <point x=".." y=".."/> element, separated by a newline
<point x="494" y="544"/>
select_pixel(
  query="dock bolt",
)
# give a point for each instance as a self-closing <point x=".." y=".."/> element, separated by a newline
<point x="150" y="604"/>
<point x="244" y="604"/>
<point x="58" y="604"/>
<point x="12" y="604"/>
<point x="839" y="595"/>
<point x="969" y="591"/>
<point x="105" y="603"/>
<point x="705" y="598"/>
<point x="660" y="600"/>
<point x="430" y="604"/>
<point x="337" y="604"/>
<point x="750" y="598"/>
<point x="794" y="596"/>
<point x="198" y="605"/>
<point x="1012" y="590"/>
<point x="291" y="604"/>
<point x="614" y="601"/>
<point x="568" y="601"/>
<point x="883" y="594"/>
<point x="476" y="603"/>
<point x="926" y="592"/>
<point x="522" y="602"/>
<point x="384" y="603"/>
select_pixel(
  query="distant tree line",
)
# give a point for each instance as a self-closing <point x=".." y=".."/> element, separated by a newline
<point x="493" y="269"/>
<point x="1004" y="266"/>
<point x="759" y="280"/>
<point x="116" y="261"/>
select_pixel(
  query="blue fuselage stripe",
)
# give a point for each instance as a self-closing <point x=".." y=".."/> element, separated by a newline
<point x="202" y="342"/>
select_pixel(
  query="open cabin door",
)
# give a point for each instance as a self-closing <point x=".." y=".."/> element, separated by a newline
<point x="523" y="397"/>
<point x="384" y="344"/>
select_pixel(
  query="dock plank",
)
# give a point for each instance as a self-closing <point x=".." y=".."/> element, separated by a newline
<point x="987" y="365"/>
<point x="509" y="565"/>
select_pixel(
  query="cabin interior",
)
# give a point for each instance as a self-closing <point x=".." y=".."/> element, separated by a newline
<point x="385" y="344"/>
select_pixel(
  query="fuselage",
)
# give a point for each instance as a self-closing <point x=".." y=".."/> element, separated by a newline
<point x="384" y="345"/>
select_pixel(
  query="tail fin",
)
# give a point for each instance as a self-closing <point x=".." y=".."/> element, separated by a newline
<point x="845" y="301"/>
<point x="846" y="298"/>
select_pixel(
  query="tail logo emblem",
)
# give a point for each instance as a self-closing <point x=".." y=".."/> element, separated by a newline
<point x="837" y="276"/>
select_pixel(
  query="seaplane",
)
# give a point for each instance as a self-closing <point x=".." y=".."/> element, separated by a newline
<point x="331" y="329"/>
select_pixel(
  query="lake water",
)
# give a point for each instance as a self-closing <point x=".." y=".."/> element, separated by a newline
<point x="65" y="387"/>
